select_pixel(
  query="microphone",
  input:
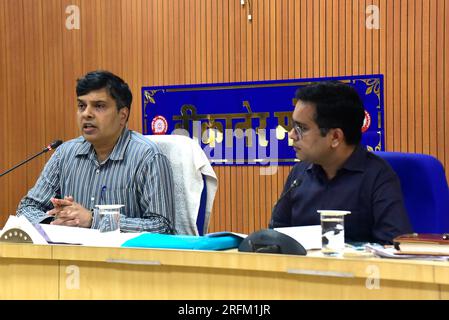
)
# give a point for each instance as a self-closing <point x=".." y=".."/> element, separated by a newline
<point x="51" y="146"/>
<point x="293" y="185"/>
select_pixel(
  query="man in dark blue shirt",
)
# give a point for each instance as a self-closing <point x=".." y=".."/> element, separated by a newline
<point x="336" y="172"/>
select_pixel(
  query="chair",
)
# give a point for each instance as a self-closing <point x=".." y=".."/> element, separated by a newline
<point x="194" y="179"/>
<point x="424" y="188"/>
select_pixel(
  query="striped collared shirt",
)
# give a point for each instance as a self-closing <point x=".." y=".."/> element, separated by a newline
<point x="136" y="174"/>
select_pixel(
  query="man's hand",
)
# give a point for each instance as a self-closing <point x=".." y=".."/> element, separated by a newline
<point x="67" y="212"/>
<point x="58" y="205"/>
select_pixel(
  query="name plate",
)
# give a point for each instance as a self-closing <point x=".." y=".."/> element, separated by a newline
<point x="247" y="123"/>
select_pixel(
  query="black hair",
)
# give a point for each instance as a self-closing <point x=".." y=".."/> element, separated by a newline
<point x="337" y="105"/>
<point x="99" y="79"/>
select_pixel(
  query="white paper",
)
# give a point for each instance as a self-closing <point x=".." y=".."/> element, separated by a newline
<point x="66" y="235"/>
<point x="72" y="235"/>
<point x="391" y="252"/>
<point x="86" y="236"/>
<point x="308" y="236"/>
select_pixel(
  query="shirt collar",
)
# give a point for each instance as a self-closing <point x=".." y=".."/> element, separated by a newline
<point x="117" y="153"/>
<point x="355" y="162"/>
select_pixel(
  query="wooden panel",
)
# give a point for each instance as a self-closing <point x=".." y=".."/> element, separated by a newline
<point x="426" y="76"/>
<point x="445" y="138"/>
<point x="396" y="80"/>
<point x="439" y="110"/>
<point x="157" y="42"/>
<point x="5" y="206"/>
<point x="432" y="77"/>
<point x="403" y="114"/>
<point x="418" y="78"/>
<point x="411" y="104"/>
<point x="15" y="147"/>
<point x="78" y="272"/>
<point x="125" y="273"/>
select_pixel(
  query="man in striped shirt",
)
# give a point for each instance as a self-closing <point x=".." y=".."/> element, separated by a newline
<point x="108" y="164"/>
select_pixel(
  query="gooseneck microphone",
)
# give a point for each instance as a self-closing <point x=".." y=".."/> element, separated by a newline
<point x="293" y="185"/>
<point x="51" y="146"/>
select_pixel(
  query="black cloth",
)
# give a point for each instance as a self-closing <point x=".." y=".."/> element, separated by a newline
<point x="366" y="185"/>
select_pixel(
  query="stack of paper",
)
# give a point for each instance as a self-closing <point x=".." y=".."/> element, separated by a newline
<point x="54" y="234"/>
<point x="391" y="252"/>
<point x="308" y="236"/>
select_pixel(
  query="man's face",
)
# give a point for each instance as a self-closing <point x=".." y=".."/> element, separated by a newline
<point x="98" y="118"/>
<point x="308" y="143"/>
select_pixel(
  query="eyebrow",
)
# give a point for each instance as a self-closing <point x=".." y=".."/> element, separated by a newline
<point x="299" y="123"/>
<point x="94" y="101"/>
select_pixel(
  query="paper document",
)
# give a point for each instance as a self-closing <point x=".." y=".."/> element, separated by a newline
<point x="85" y="236"/>
<point x="54" y="234"/>
<point x="71" y="235"/>
<point x="308" y="236"/>
<point x="390" y="252"/>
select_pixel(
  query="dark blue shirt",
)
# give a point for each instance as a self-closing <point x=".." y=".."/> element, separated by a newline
<point x="366" y="185"/>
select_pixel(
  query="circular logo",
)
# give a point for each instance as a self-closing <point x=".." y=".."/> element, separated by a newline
<point x="159" y="125"/>
<point x="366" y="122"/>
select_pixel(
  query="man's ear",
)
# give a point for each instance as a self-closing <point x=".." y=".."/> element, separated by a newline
<point x="337" y="137"/>
<point x="124" y="115"/>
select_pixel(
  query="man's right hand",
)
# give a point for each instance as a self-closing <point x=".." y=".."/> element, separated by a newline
<point x="67" y="212"/>
<point x="59" y="205"/>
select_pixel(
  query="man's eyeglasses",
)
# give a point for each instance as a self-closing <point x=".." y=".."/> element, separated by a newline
<point x="300" y="130"/>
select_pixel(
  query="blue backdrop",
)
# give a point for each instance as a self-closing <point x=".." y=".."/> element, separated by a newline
<point x="247" y="123"/>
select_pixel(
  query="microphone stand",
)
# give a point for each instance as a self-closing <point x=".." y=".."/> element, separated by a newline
<point x="22" y="163"/>
<point x="294" y="184"/>
<point x="52" y="146"/>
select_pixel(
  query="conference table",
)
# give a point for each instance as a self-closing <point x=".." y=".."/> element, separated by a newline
<point x="29" y="271"/>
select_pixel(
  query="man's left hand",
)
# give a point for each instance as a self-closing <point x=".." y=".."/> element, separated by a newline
<point x="72" y="214"/>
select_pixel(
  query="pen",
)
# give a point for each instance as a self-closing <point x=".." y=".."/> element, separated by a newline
<point x="103" y="190"/>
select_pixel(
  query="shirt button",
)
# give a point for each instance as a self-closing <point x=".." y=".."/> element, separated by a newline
<point x="92" y="199"/>
<point x="98" y="171"/>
